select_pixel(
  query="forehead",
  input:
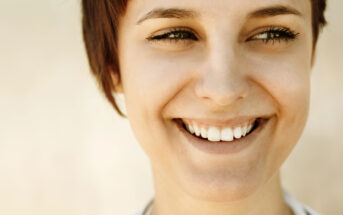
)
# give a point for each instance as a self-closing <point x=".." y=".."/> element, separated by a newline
<point x="214" y="8"/>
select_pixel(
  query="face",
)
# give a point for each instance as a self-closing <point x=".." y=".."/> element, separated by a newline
<point x="236" y="74"/>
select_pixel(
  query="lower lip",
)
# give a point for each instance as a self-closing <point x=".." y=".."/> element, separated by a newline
<point x="223" y="147"/>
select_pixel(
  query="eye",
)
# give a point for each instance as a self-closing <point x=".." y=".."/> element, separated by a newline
<point x="174" y="35"/>
<point x="275" y="34"/>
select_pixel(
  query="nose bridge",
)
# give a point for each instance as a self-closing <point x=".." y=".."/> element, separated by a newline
<point x="221" y="57"/>
<point x="221" y="81"/>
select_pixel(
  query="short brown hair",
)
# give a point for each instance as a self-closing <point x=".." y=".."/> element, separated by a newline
<point x="100" y="22"/>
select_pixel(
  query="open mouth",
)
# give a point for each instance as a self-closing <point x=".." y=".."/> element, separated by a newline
<point x="223" y="135"/>
<point x="223" y="138"/>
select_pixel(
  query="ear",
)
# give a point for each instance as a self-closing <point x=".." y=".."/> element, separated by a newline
<point x="118" y="88"/>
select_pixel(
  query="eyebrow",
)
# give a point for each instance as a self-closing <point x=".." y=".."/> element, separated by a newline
<point x="274" y="11"/>
<point x="169" y="13"/>
<point x="180" y="13"/>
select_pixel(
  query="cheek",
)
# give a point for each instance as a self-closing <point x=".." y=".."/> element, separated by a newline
<point x="287" y="81"/>
<point x="289" y="85"/>
<point x="150" y="82"/>
<point x="286" y="78"/>
<point x="154" y="78"/>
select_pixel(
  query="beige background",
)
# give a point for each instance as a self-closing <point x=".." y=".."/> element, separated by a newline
<point x="63" y="150"/>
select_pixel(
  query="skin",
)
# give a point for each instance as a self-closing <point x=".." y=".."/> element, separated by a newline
<point x="222" y="75"/>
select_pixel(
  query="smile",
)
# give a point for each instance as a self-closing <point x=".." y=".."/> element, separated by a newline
<point x="221" y="137"/>
<point x="215" y="133"/>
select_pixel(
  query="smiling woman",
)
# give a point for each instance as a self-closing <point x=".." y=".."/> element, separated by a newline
<point x="216" y="93"/>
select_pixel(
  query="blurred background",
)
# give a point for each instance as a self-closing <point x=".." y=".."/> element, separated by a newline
<point x="63" y="149"/>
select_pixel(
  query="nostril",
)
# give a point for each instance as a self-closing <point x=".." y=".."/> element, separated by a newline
<point x="223" y="101"/>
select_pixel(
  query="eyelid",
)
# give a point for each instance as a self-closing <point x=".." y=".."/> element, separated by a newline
<point x="268" y="29"/>
<point x="272" y="33"/>
<point x="171" y="30"/>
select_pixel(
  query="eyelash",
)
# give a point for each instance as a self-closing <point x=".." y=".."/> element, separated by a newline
<point x="175" y="31"/>
<point x="276" y="34"/>
<point x="273" y="34"/>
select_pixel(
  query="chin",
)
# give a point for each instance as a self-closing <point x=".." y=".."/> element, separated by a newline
<point x="225" y="186"/>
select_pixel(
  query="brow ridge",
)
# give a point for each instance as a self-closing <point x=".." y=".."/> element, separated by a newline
<point x="274" y="11"/>
<point x="180" y="13"/>
<point x="169" y="13"/>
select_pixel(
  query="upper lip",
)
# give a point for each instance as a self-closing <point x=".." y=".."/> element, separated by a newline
<point x="229" y="122"/>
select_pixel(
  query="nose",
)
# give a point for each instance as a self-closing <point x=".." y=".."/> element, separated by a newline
<point x="221" y="82"/>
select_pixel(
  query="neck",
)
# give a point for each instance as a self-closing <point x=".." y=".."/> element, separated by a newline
<point x="171" y="200"/>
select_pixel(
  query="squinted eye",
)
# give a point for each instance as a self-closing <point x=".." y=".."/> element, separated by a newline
<point x="275" y="34"/>
<point x="186" y="35"/>
<point x="174" y="35"/>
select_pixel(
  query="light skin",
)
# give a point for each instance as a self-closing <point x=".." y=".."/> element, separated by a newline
<point x="222" y="69"/>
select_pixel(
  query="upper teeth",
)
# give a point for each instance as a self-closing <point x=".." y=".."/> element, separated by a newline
<point x="213" y="133"/>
